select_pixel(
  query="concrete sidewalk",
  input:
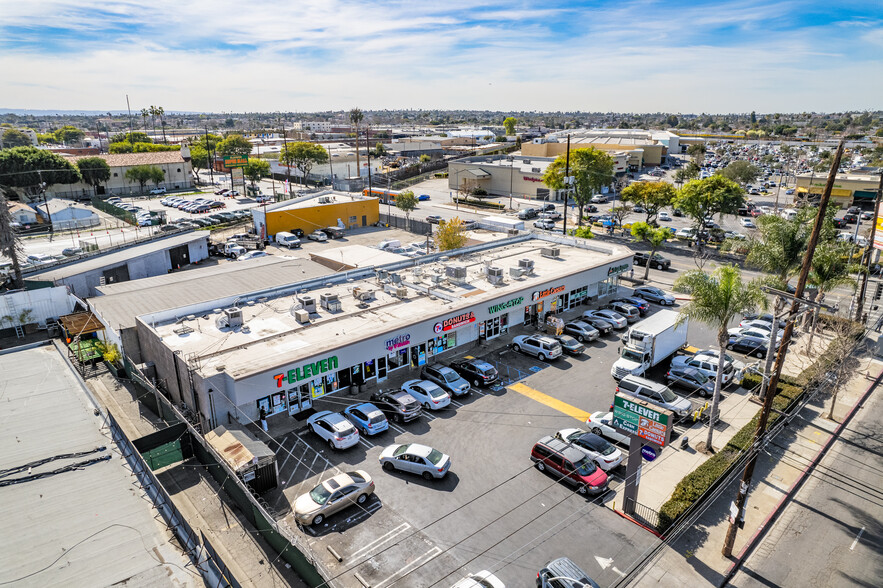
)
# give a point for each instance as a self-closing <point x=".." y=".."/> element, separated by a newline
<point x="694" y="558"/>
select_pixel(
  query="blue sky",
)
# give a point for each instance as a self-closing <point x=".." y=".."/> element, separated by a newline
<point x="269" y="55"/>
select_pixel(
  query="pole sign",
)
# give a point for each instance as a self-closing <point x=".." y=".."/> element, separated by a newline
<point x="649" y="453"/>
<point x="235" y="161"/>
<point x="641" y="419"/>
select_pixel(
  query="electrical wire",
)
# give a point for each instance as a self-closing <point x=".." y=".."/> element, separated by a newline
<point x="39" y="462"/>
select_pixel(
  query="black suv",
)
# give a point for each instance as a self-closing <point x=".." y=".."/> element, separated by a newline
<point x="657" y="262"/>
<point x="397" y="404"/>
<point x="476" y="371"/>
<point x="528" y="213"/>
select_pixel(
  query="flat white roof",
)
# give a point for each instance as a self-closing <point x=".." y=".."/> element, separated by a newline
<point x="271" y="330"/>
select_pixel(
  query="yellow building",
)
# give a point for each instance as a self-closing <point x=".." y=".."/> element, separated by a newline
<point x="848" y="188"/>
<point x="317" y="211"/>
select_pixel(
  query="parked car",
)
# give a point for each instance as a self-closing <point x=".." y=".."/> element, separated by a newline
<point x="476" y="371"/>
<point x="333" y="232"/>
<point x="601" y="423"/>
<point x="663" y="216"/>
<point x="252" y="255"/>
<point x="605" y="455"/>
<point x="603" y="326"/>
<point x="657" y="262"/>
<point x="545" y="224"/>
<point x="469" y="225"/>
<point x="158" y="191"/>
<point x="750" y="344"/>
<point x="654" y="294"/>
<point x="397" y="404"/>
<point x="482" y="579"/>
<point x="416" y="459"/>
<point x="638" y="303"/>
<point x="867" y="215"/>
<point x="527" y="213"/>
<point x="614" y="318"/>
<point x="569" y="464"/>
<point x="570" y="345"/>
<point x="766" y="317"/>
<point x="317" y="235"/>
<point x="748" y="223"/>
<point x="446" y="378"/>
<point x="541" y="346"/>
<point x="334" y="428"/>
<point x="433" y="219"/>
<point x="582" y="330"/>
<point x="284" y="239"/>
<point x="222" y="191"/>
<point x="563" y="573"/>
<point x="423" y="197"/>
<point x="367" y="418"/>
<point x="657" y="394"/>
<point x="839" y="223"/>
<point x="598" y="199"/>
<point x="429" y="394"/>
<point x="631" y="313"/>
<point x="707" y="364"/>
<point x="552" y="215"/>
<point x="71" y="251"/>
<point x="333" y="495"/>
<point x="691" y="379"/>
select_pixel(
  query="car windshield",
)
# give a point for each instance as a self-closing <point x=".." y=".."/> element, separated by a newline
<point x="435" y="456"/>
<point x="668" y="395"/>
<point x="632" y="355"/>
<point x="450" y="376"/>
<point x="585" y="467"/>
<point x="320" y="494"/>
<point x="400" y="450"/>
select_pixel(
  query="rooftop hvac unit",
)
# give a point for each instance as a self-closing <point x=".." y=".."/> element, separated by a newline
<point x="525" y="161"/>
<point x="494" y="271"/>
<point x="362" y="294"/>
<point x="496" y="280"/>
<point x="382" y="274"/>
<point x="402" y="292"/>
<point x="552" y="252"/>
<point x="329" y="301"/>
<point x="516" y="272"/>
<point x="233" y="316"/>
<point x="455" y="271"/>
<point x="513" y="232"/>
<point x="535" y="170"/>
<point x="395" y="278"/>
<point x="526" y="265"/>
<point x="302" y="316"/>
<point x="307" y="302"/>
<point x="436" y="278"/>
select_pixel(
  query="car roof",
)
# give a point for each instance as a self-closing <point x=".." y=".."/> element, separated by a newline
<point x="418" y="449"/>
<point x="337" y="482"/>
<point x="366" y="407"/>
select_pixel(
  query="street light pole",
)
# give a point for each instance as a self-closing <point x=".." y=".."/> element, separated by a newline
<point x="869" y="250"/>
<point x="567" y="184"/>
<point x="760" y="431"/>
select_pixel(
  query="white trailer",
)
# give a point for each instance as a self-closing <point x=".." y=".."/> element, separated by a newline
<point x="501" y="223"/>
<point x="649" y="342"/>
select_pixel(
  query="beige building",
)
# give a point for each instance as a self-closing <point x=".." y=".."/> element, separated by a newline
<point x="175" y="166"/>
<point x="848" y="188"/>
<point x="643" y="147"/>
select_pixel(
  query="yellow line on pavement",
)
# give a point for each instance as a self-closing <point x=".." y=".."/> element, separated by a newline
<point x="558" y="405"/>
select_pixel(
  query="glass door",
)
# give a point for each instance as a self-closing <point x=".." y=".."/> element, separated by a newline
<point x="381" y="368"/>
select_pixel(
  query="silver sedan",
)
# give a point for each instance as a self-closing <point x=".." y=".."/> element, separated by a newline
<point x="416" y="459"/>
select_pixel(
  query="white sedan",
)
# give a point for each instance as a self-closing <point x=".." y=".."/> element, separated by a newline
<point x="748" y="223"/>
<point x="664" y="216"/>
<point x="430" y="395"/>
<point x="596" y="447"/>
<point x="252" y="255"/>
<point x="334" y="428"/>
<point x="601" y="423"/>
<point x="482" y="579"/>
<point x="416" y="459"/>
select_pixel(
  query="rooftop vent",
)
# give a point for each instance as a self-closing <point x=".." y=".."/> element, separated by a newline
<point x="329" y="301"/>
<point x="516" y="272"/>
<point x="302" y="316"/>
<point x="382" y="275"/>
<point x="363" y="294"/>
<point x="493" y="271"/>
<point x="233" y="316"/>
<point x="455" y="271"/>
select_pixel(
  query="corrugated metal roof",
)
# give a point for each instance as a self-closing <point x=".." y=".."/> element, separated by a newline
<point x="130" y="159"/>
<point x="116" y="258"/>
<point x="124" y="301"/>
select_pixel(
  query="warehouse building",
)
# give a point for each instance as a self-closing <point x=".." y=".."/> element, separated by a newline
<point x="849" y="188"/>
<point x="317" y="211"/>
<point x="229" y="358"/>
<point x="643" y="147"/>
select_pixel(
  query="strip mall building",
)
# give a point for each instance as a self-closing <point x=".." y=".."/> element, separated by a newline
<point x="283" y="350"/>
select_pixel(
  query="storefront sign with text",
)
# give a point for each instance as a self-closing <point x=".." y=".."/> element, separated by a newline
<point x="505" y="305"/>
<point x="454" y="322"/>
<point x="618" y="269"/>
<point x="396" y="342"/>
<point x="547" y="292"/>
<point x="310" y="370"/>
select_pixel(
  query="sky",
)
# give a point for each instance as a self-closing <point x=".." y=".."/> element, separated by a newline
<point x="316" y="55"/>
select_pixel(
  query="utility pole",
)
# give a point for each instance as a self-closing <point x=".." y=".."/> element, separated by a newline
<point x="367" y="154"/>
<point x="287" y="168"/>
<point x="129" y="108"/>
<point x="869" y="252"/>
<point x="567" y="184"/>
<point x="760" y="431"/>
<point x="211" y="156"/>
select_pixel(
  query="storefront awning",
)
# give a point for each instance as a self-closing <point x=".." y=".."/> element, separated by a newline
<point x="477" y="173"/>
<point x="80" y="323"/>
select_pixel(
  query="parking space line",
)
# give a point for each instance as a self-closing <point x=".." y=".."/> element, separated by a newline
<point x="382" y="539"/>
<point x="288" y="454"/>
<point x="457" y="404"/>
<point x="432" y="553"/>
<point x="365" y="442"/>
<point x="398" y="428"/>
<point x="570" y="410"/>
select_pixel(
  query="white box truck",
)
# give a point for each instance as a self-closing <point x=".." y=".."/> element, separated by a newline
<point x="649" y="342"/>
<point x="501" y="223"/>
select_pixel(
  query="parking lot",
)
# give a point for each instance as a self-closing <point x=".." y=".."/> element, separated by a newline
<point x="493" y="510"/>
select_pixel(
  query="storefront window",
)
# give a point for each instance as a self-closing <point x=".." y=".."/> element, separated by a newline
<point x="272" y="404"/>
<point x="357" y="377"/>
<point x="418" y="355"/>
<point x="317" y="387"/>
<point x="370" y="369"/>
<point x="504" y="323"/>
<point x="451" y="341"/>
<point x="397" y="359"/>
<point x="343" y="378"/>
<point x="331" y="384"/>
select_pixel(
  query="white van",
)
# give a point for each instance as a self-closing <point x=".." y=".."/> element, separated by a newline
<point x="789" y="214"/>
<point x="388" y="244"/>
<point x="287" y="240"/>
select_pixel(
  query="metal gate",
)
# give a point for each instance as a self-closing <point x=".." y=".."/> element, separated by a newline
<point x="179" y="256"/>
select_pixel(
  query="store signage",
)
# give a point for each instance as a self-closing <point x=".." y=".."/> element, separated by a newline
<point x="236" y="161"/>
<point x="649" y="453"/>
<point x="617" y="269"/>
<point x="397" y="342"/>
<point x="505" y="305"/>
<point x="454" y="322"/>
<point x="310" y="370"/>
<point x="641" y="419"/>
<point x="547" y="292"/>
<point x="527" y="179"/>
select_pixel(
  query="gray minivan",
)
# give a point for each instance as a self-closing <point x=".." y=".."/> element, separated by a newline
<point x="566" y="573"/>
<point x="655" y="393"/>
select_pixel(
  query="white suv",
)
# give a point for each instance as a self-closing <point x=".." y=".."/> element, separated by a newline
<point x="543" y="347"/>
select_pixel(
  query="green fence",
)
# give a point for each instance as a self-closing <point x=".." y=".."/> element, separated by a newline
<point x="113" y="210"/>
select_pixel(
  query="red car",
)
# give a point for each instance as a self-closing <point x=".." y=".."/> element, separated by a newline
<point x="571" y="464"/>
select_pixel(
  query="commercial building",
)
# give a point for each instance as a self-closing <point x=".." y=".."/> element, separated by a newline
<point x="231" y="357"/>
<point x="155" y="258"/>
<point x="316" y="211"/>
<point x="22" y="213"/>
<point x="643" y="147"/>
<point x="65" y="215"/>
<point x="518" y="175"/>
<point x="849" y="188"/>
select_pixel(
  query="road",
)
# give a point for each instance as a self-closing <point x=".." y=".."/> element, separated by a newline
<point x="831" y="532"/>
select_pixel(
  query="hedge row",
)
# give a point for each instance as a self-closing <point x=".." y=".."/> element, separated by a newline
<point x="480" y="203"/>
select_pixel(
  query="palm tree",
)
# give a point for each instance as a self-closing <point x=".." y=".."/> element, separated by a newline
<point x="356" y="117"/>
<point x="830" y="267"/>
<point x="716" y="299"/>
<point x="144" y="114"/>
<point x="160" y="111"/>
<point x="153" y="113"/>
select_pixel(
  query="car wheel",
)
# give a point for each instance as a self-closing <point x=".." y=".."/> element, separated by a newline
<point x="387" y="465"/>
<point x="597" y="431"/>
<point x="760" y="354"/>
<point x="317" y="520"/>
<point x="580" y="338"/>
<point x="541" y="466"/>
<point x="361" y="499"/>
<point x="331" y="444"/>
<point x="426" y="405"/>
<point x="730" y="346"/>
<point x="582" y="489"/>
<point x="476" y="383"/>
<point x="541" y="356"/>
<point x="516" y="347"/>
<point x="427" y="476"/>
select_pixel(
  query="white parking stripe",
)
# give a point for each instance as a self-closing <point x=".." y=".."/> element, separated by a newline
<point x="457" y="404"/>
<point x="287" y="456"/>
<point x="382" y="539"/>
<point x="397" y="428"/>
<point x="365" y="442"/>
<point x="432" y="553"/>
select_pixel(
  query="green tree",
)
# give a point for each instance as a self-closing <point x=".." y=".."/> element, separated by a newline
<point x="424" y="158"/>
<point x="27" y="171"/>
<point x="10" y="245"/>
<point x="591" y="169"/>
<point x="450" y="235"/>
<point x="651" y="196"/>
<point x="133" y="137"/>
<point x="688" y="172"/>
<point x="654" y="236"/>
<point x="830" y="268"/>
<point x="717" y="298"/>
<point x="672" y="120"/>
<point x="255" y="170"/>
<point x="700" y="199"/>
<point x="234" y="145"/>
<point x="144" y="114"/>
<point x="780" y="245"/>
<point x="509" y="124"/>
<point x="697" y="152"/>
<point x="406" y="202"/>
<point x="145" y="173"/>
<point x="94" y="171"/>
<point x="379" y="149"/>
<point x="303" y="156"/>
<point x="582" y="232"/>
<point x="68" y="134"/>
<point x="741" y="172"/>
<point x="356" y="117"/>
<point x="121" y="147"/>
<point x="15" y="138"/>
<point x="208" y="141"/>
<point x="46" y="138"/>
<point x="161" y="113"/>
<point x="199" y="157"/>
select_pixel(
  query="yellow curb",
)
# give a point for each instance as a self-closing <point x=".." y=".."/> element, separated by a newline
<point x="551" y="402"/>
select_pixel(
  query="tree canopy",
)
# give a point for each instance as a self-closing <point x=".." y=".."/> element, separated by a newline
<point x="22" y="169"/>
<point x="133" y="137"/>
<point x="234" y="145"/>
<point x="199" y="157"/>
<point x="94" y="170"/>
<point x="450" y="235"/>
<point x="406" y="201"/>
<point x="651" y="196"/>
<point x="509" y="124"/>
<point x="591" y="169"/>
<point x="654" y="236"/>
<point x="303" y="156"/>
<point x="15" y="138"/>
<point x="700" y="199"/>
<point x="145" y="173"/>
<point x="255" y="170"/>
<point x="741" y="172"/>
<point x="780" y="244"/>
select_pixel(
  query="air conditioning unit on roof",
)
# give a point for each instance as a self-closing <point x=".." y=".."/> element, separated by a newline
<point x="552" y="252"/>
<point x="233" y="316"/>
<point x="526" y="265"/>
<point x="307" y="302"/>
